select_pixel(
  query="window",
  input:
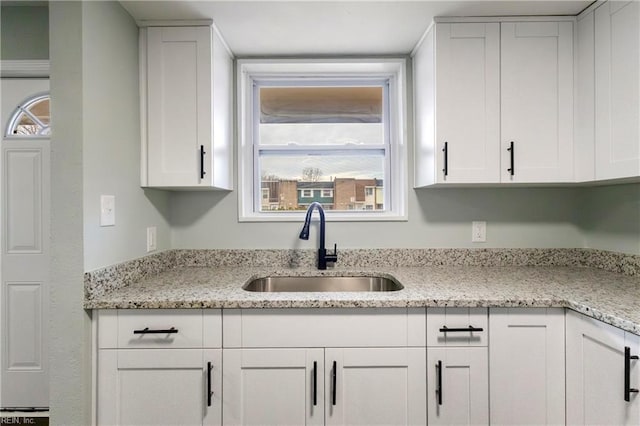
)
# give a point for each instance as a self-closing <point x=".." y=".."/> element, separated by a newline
<point x="322" y="131"/>
<point x="31" y="119"/>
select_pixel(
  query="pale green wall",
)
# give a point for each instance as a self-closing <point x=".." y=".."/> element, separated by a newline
<point x="24" y="32"/>
<point x="516" y="217"/>
<point x="69" y="330"/>
<point x="111" y="150"/>
<point x="95" y="150"/>
<point x="609" y="217"/>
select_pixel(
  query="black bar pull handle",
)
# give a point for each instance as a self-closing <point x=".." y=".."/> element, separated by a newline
<point x="146" y="330"/>
<point x="628" y="390"/>
<point x="315" y="383"/>
<point x="439" y="382"/>
<point x="446" y="158"/>
<point x="209" y="391"/>
<point x="334" y="382"/>
<point x="511" y="150"/>
<point x="202" y="153"/>
<point x="471" y="329"/>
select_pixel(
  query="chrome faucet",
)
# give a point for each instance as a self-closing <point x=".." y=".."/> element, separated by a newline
<point x="323" y="257"/>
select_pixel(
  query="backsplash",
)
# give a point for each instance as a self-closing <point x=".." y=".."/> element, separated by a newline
<point x="106" y="279"/>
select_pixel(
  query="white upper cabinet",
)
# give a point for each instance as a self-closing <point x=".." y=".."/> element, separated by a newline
<point x="617" y="90"/>
<point x="481" y="86"/>
<point x="467" y="104"/>
<point x="537" y="101"/>
<point x="186" y="93"/>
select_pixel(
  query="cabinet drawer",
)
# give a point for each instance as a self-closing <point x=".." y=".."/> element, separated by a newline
<point x="272" y="328"/>
<point x="160" y="328"/>
<point x="457" y="326"/>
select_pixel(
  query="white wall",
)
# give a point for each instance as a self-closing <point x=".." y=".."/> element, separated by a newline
<point x="111" y="149"/>
<point x="609" y="217"/>
<point x="69" y="331"/>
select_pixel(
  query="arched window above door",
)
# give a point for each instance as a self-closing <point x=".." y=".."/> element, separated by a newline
<point x="31" y="118"/>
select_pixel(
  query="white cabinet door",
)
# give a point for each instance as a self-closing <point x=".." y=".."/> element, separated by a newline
<point x="375" y="386"/>
<point x="458" y="387"/>
<point x="537" y="101"/>
<point x="596" y="373"/>
<point x="527" y="366"/>
<point x="159" y="387"/>
<point x="179" y="104"/>
<point x="186" y="108"/>
<point x="467" y="102"/>
<point x="617" y="89"/>
<point x="273" y="387"/>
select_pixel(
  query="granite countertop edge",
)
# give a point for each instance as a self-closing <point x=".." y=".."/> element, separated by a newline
<point x="610" y="297"/>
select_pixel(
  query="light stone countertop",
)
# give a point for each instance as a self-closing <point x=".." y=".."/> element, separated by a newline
<point x="610" y="297"/>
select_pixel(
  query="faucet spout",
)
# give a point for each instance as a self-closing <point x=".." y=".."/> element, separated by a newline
<point x="323" y="257"/>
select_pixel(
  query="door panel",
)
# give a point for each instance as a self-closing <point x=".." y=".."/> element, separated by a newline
<point x="273" y="387"/>
<point x="376" y="386"/>
<point x="24" y="304"/>
<point x="159" y="387"/>
<point x="461" y="396"/>
<point x="595" y="373"/>
<point x="468" y="91"/>
<point x="537" y="101"/>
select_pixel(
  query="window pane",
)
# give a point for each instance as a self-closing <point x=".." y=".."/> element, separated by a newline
<point x="339" y="181"/>
<point x="41" y="110"/>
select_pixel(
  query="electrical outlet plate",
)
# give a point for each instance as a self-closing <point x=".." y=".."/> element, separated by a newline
<point x="478" y="232"/>
<point x="151" y="239"/>
<point x="107" y="210"/>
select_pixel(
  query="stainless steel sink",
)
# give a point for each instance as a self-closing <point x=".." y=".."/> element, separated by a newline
<point x="322" y="284"/>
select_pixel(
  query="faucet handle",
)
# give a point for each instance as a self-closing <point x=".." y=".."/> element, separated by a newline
<point x="333" y="257"/>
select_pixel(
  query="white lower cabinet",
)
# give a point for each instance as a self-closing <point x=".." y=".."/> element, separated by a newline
<point x="333" y="386"/>
<point x="454" y="366"/>
<point x="457" y="366"/>
<point x="458" y="389"/>
<point x="283" y="386"/>
<point x="159" y="367"/>
<point x="527" y="366"/>
<point x="159" y="387"/>
<point x="375" y="386"/>
<point x="601" y="373"/>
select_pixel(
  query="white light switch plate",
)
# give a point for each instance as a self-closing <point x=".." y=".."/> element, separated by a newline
<point x="107" y="210"/>
<point x="151" y="239"/>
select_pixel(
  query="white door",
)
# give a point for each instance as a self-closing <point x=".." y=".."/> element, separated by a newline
<point x="159" y="387"/>
<point x="273" y="387"/>
<point x="458" y="386"/>
<point x="468" y="102"/>
<point x="526" y="365"/>
<point x="617" y="90"/>
<point x="24" y="295"/>
<point x="537" y="101"/>
<point x="596" y="373"/>
<point x="375" y="386"/>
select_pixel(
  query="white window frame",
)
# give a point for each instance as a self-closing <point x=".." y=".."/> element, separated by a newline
<point x="326" y="193"/>
<point x="392" y="70"/>
<point x="306" y="193"/>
